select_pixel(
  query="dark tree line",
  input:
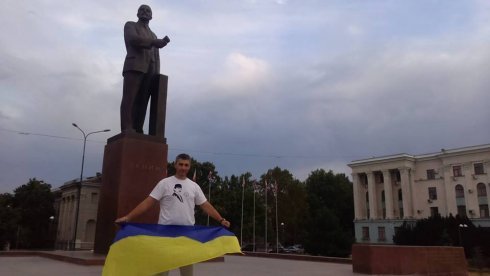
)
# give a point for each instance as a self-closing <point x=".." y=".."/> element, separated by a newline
<point x="317" y="213"/>
<point x="26" y="217"/>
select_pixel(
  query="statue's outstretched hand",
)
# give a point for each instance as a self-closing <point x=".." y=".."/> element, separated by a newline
<point x="160" y="43"/>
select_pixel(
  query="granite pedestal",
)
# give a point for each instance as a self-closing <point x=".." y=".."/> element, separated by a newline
<point x="133" y="165"/>
<point x="412" y="260"/>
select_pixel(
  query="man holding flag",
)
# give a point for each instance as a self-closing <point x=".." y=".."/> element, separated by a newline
<point x="174" y="211"/>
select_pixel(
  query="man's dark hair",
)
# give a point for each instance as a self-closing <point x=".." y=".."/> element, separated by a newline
<point x="182" y="156"/>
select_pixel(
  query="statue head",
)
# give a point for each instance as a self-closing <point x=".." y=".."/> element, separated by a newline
<point x="144" y="13"/>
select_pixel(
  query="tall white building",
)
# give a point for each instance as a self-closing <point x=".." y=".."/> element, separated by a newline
<point x="389" y="190"/>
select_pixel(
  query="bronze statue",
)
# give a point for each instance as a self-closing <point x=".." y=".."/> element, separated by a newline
<point x="141" y="72"/>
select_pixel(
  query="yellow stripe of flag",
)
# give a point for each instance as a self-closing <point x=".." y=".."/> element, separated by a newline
<point x="153" y="253"/>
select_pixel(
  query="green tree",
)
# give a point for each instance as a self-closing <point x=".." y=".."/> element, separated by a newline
<point x="292" y="207"/>
<point x="9" y="219"/>
<point x="34" y="202"/>
<point x="330" y="227"/>
<point x="227" y="199"/>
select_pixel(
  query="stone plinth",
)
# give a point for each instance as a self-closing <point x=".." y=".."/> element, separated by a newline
<point x="133" y="165"/>
<point x="403" y="260"/>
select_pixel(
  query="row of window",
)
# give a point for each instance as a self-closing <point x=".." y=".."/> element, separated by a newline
<point x="481" y="191"/>
<point x="459" y="190"/>
<point x="478" y="168"/>
<point x="432" y="191"/>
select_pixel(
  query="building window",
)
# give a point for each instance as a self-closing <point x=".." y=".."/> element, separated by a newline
<point x="434" y="211"/>
<point x="431" y="174"/>
<point x="478" y="168"/>
<point x="457" y="171"/>
<point x="459" y="191"/>
<point x="484" y="211"/>
<point x="381" y="234"/>
<point x="462" y="211"/>
<point x="378" y="178"/>
<point x="400" y="196"/>
<point x="365" y="233"/>
<point x="481" y="189"/>
<point x="432" y="193"/>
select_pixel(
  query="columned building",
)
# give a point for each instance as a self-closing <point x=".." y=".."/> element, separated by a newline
<point x="87" y="217"/>
<point x="390" y="190"/>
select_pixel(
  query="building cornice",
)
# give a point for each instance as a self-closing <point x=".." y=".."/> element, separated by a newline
<point x="382" y="159"/>
<point x="92" y="181"/>
<point x="428" y="156"/>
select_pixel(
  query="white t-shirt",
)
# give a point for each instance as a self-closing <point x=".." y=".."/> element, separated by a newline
<point x="177" y="200"/>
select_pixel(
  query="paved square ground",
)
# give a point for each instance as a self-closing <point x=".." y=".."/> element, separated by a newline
<point x="233" y="265"/>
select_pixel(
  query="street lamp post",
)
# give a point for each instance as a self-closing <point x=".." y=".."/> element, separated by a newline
<point x="282" y="238"/>
<point x="50" y="230"/>
<point x="79" y="185"/>
<point x="459" y="233"/>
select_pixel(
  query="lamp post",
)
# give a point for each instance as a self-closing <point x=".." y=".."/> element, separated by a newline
<point x="459" y="233"/>
<point x="50" y="230"/>
<point x="79" y="185"/>
<point x="282" y="238"/>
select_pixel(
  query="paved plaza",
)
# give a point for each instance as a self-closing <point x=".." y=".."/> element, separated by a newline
<point x="233" y="265"/>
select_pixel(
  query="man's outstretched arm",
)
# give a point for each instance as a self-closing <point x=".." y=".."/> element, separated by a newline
<point x="211" y="211"/>
<point x="144" y="206"/>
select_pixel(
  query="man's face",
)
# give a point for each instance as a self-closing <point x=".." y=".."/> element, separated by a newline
<point x="144" y="13"/>
<point x="182" y="167"/>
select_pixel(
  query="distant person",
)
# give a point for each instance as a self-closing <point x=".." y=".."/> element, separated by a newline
<point x="177" y="196"/>
<point x="141" y="66"/>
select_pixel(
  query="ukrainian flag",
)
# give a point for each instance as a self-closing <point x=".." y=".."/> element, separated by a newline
<point x="148" y="249"/>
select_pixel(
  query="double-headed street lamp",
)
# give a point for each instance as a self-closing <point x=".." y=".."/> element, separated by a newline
<point x="459" y="233"/>
<point x="79" y="186"/>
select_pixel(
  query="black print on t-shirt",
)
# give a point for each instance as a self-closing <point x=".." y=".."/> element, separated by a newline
<point x="177" y="192"/>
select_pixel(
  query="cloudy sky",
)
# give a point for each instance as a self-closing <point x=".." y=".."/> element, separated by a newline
<point x="253" y="84"/>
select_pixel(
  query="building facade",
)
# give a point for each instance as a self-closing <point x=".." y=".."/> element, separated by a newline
<point x="390" y="190"/>
<point x="87" y="217"/>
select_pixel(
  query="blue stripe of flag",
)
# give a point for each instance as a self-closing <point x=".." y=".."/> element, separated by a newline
<point x="196" y="232"/>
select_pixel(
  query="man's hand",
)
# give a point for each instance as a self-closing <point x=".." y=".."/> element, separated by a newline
<point x="225" y="223"/>
<point x="122" y="220"/>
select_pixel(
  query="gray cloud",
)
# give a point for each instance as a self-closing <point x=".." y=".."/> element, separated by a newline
<point x="253" y="84"/>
